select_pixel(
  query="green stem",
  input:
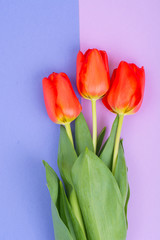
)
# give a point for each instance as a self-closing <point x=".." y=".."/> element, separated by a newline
<point x="116" y="146"/>
<point x="69" y="132"/>
<point x="94" y="117"/>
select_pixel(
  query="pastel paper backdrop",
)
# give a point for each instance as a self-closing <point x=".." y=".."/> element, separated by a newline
<point x="39" y="37"/>
<point x="129" y="30"/>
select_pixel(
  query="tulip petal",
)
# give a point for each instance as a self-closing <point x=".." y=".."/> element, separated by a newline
<point x="105" y="59"/>
<point x="92" y="74"/>
<point x="61" y="101"/>
<point x="49" y="98"/>
<point x="80" y="59"/>
<point x="127" y="89"/>
<point x="66" y="99"/>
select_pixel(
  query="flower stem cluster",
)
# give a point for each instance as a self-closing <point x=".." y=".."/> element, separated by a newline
<point x="81" y="171"/>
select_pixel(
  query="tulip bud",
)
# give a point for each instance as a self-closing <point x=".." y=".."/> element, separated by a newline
<point x="92" y="74"/>
<point x="60" y="99"/>
<point x="127" y="89"/>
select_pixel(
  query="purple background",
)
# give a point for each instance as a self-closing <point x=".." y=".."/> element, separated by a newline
<point x="37" y="38"/>
<point x="129" y="30"/>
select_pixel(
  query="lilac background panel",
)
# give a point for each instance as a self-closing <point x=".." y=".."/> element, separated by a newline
<point x="129" y="30"/>
<point x="36" y="38"/>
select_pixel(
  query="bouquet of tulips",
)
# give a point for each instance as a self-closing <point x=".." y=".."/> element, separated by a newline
<point x="91" y="202"/>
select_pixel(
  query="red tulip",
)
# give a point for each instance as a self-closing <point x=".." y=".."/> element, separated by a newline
<point x="60" y="99"/>
<point x="127" y="89"/>
<point x="92" y="74"/>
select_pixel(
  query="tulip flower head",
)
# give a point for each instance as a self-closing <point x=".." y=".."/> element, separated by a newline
<point x="127" y="89"/>
<point x="60" y="99"/>
<point x="92" y="74"/>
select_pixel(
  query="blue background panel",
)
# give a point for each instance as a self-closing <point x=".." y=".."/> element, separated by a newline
<point x="36" y="38"/>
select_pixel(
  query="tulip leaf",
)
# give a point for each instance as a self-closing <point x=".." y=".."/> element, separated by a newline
<point x="62" y="208"/>
<point x="66" y="158"/>
<point x="121" y="173"/>
<point x="99" y="198"/>
<point x="71" y="220"/>
<point x="100" y="140"/>
<point x="126" y="205"/>
<point x="83" y="137"/>
<point x="106" y="153"/>
<point x="60" y="230"/>
<point x="52" y="182"/>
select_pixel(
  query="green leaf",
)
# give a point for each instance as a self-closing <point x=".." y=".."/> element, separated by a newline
<point x="83" y="137"/>
<point x="100" y="139"/>
<point x="62" y="208"/>
<point x="99" y="198"/>
<point x="60" y="230"/>
<point x="126" y="205"/>
<point x="52" y="182"/>
<point x="72" y="223"/>
<point x="66" y="158"/>
<point x="106" y="153"/>
<point x="121" y="173"/>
